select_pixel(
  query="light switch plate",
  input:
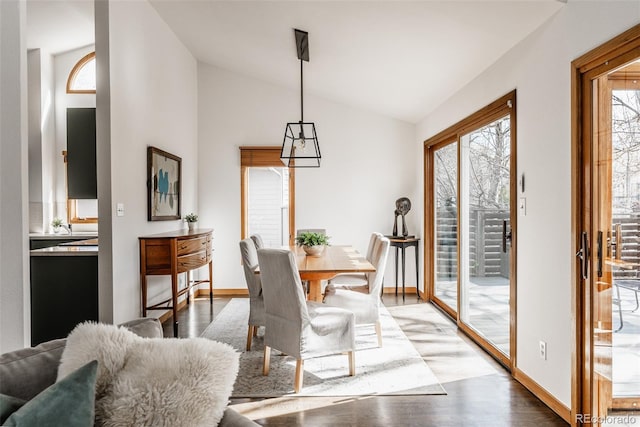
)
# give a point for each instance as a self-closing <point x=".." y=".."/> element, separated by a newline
<point x="522" y="206"/>
<point x="120" y="209"/>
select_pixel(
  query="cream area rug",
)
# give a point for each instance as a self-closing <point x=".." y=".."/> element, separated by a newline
<point x="394" y="369"/>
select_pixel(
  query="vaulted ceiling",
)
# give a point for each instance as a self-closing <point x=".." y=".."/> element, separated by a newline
<point x="398" y="58"/>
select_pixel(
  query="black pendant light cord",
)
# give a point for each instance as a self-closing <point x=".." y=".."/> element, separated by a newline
<point x="301" y="95"/>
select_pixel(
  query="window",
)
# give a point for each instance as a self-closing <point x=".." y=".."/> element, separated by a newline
<point x="82" y="78"/>
<point x="268" y="196"/>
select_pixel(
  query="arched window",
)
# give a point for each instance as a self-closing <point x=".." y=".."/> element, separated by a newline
<point x="82" y="78"/>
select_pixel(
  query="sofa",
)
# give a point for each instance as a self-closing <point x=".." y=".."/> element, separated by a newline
<point x="26" y="373"/>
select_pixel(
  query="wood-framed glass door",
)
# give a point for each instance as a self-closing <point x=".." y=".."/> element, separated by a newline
<point x="470" y="225"/>
<point x="486" y="224"/>
<point x="606" y="164"/>
<point x="445" y="226"/>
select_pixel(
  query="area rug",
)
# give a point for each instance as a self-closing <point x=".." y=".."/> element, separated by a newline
<point x="394" y="369"/>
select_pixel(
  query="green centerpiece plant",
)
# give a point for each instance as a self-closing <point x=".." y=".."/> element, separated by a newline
<point x="312" y="243"/>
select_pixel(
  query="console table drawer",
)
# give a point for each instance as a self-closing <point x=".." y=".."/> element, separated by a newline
<point x="190" y="246"/>
<point x="189" y="262"/>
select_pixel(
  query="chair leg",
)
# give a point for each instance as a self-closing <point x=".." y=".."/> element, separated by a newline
<point x="619" y="310"/>
<point x="379" y="333"/>
<point x="250" y="335"/>
<point x="352" y="363"/>
<point x="267" y="358"/>
<point x="297" y="385"/>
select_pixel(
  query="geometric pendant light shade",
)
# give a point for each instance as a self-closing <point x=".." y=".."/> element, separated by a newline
<point x="300" y="148"/>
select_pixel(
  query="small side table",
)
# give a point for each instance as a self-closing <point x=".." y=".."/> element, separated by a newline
<point x="401" y="243"/>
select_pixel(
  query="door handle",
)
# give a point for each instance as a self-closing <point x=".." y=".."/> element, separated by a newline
<point x="506" y="236"/>
<point x="599" y="253"/>
<point x="583" y="254"/>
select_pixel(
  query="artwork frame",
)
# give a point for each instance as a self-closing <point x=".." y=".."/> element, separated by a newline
<point x="164" y="177"/>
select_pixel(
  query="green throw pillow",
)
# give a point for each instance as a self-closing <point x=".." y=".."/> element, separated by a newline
<point x="9" y="405"/>
<point x="70" y="402"/>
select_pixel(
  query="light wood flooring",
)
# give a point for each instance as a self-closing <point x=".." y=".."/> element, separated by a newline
<point x="480" y="392"/>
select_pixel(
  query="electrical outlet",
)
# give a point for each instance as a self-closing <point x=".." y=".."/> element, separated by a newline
<point x="543" y="350"/>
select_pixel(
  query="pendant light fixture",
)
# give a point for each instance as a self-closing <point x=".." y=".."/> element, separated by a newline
<point x="300" y="147"/>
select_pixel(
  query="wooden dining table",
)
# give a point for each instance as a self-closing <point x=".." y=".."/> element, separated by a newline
<point x="335" y="259"/>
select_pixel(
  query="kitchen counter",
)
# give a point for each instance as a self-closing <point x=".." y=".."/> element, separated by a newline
<point x="64" y="236"/>
<point x="63" y="250"/>
<point x="45" y="240"/>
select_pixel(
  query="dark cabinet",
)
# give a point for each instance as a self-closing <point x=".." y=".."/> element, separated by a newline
<point x="81" y="153"/>
<point x="64" y="292"/>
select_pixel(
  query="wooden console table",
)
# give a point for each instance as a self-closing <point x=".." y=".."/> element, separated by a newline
<point x="172" y="253"/>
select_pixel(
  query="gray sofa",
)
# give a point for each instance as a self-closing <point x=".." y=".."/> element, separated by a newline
<point x="26" y="372"/>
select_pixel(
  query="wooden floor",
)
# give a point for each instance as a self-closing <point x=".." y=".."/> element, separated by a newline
<point x="479" y="391"/>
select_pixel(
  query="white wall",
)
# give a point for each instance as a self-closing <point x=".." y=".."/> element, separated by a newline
<point x="14" y="248"/>
<point x="153" y="101"/>
<point x="47" y="135"/>
<point x="539" y="68"/>
<point x="34" y="94"/>
<point x="367" y="163"/>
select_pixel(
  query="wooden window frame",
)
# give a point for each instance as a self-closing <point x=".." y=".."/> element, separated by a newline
<point x="76" y="69"/>
<point x="263" y="156"/>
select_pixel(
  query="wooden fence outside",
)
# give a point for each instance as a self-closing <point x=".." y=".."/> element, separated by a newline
<point x="485" y="240"/>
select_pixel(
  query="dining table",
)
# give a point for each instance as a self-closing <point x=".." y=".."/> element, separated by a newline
<point x="333" y="260"/>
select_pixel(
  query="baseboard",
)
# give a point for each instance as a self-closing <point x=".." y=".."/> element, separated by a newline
<point x="223" y="292"/>
<point x="407" y="290"/>
<point x="542" y="394"/>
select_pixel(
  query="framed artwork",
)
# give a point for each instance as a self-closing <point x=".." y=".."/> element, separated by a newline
<point x="163" y="185"/>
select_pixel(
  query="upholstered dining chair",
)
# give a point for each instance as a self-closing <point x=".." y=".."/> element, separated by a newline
<point x="254" y="284"/>
<point x="358" y="281"/>
<point x="299" y="328"/>
<point x="366" y="306"/>
<point x="257" y="240"/>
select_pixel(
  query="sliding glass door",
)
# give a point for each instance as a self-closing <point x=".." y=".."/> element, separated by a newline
<point x="445" y="196"/>
<point x="485" y="216"/>
<point x="469" y="180"/>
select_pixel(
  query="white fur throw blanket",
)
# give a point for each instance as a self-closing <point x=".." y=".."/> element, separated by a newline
<point x="153" y="381"/>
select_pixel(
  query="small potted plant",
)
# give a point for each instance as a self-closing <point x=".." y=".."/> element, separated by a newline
<point x="56" y="223"/>
<point x="191" y="220"/>
<point x="312" y="243"/>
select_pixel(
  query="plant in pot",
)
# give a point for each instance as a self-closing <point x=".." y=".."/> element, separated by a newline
<point x="312" y="243"/>
<point x="191" y="220"/>
<point x="56" y="223"/>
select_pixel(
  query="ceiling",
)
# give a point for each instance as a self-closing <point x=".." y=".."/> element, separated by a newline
<point x="398" y="58"/>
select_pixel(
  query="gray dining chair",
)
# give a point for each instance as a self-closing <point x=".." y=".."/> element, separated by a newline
<point x="299" y="328"/>
<point x="254" y="284"/>
<point x="257" y="240"/>
<point x="365" y="306"/>
<point x="358" y="281"/>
